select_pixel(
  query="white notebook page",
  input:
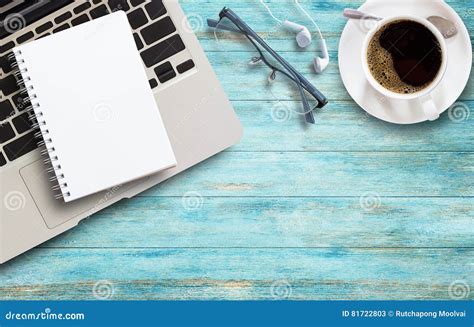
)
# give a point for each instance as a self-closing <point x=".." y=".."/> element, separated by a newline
<point x="99" y="110"/>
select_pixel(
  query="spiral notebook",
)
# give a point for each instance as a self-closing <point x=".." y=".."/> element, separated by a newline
<point x="98" y="120"/>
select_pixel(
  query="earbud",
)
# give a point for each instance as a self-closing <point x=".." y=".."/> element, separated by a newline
<point x="303" y="38"/>
<point x="321" y="63"/>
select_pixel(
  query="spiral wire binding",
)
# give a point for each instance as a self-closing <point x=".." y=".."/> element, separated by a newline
<point x="36" y="117"/>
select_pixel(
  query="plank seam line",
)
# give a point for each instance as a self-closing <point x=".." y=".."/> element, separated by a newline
<point x="307" y="196"/>
<point x="253" y="248"/>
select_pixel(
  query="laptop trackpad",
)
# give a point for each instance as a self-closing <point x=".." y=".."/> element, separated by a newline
<point x="56" y="212"/>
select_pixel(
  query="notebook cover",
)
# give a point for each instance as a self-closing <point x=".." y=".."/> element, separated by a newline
<point x="90" y="90"/>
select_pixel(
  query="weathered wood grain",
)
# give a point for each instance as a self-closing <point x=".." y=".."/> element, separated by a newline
<point x="336" y="273"/>
<point x="341" y="126"/>
<point x="222" y="222"/>
<point x="326" y="174"/>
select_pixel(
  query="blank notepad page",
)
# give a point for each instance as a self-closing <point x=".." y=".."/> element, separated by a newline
<point x="96" y="110"/>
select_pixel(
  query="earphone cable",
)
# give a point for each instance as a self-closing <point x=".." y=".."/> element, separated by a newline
<point x="270" y="12"/>
<point x="298" y="4"/>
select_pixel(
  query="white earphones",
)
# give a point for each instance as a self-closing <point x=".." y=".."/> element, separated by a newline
<point x="304" y="39"/>
<point x="303" y="36"/>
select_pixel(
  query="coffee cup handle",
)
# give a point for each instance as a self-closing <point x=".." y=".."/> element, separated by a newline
<point x="429" y="107"/>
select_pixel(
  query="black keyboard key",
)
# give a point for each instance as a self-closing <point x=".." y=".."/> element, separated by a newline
<point x="165" y="77"/>
<point x="155" y="9"/>
<point x="81" y="8"/>
<point x="4" y="48"/>
<point x="22" y="123"/>
<point x="138" y="42"/>
<point x="6" y="132"/>
<point x="21" y="146"/>
<point x="63" y="18"/>
<point x="44" y="27"/>
<point x="61" y="28"/>
<point x="153" y="83"/>
<point x="116" y="5"/>
<point x="5" y="64"/>
<point x="137" y="18"/>
<point x="43" y="10"/>
<point x="136" y="3"/>
<point x="185" y="66"/>
<point x="21" y="102"/>
<point x="8" y="85"/>
<point x="99" y="12"/>
<point x="158" y="30"/>
<point x="163" y="68"/>
<point x="3" y="161"/>
<point x="162" y="50"/>
<point x="80" y="20"/>
<point x="165" y="72"/>
<point x="96" y="1"/>
<point x="6" y="110"/>
<point x="25" y="37"/>
<point x="42" y="36"/>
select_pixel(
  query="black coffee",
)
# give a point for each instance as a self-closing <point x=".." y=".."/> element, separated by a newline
<point x="404" y="56"/>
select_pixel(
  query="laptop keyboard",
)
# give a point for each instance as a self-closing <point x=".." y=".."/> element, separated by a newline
<point x="155" y="36"/>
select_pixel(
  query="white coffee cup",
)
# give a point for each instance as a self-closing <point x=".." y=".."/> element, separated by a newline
<point x="427" y="102"/>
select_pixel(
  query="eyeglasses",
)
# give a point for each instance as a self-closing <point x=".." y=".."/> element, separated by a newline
<point x="229" y="21"/>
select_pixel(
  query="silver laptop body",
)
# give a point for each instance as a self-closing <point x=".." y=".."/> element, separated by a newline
<point x="198" y="116"/>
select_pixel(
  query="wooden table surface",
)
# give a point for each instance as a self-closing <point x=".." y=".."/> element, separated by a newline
<point x="351" y="208"/>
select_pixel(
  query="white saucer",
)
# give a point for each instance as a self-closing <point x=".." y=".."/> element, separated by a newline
<point x="396" y="111"/>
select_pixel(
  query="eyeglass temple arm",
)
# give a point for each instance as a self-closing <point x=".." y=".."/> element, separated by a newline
<point x="216" y="24"/>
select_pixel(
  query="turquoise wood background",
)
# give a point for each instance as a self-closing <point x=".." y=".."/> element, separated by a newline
<point x="351" y="208"/>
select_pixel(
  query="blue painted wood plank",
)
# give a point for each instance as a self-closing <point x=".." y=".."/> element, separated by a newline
<point x="343" y="127"/>
<point x="326" y="174"/>
<point x="238" y="273"/>
<point x="221" y="222"/>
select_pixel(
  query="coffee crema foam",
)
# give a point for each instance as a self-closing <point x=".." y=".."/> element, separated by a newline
<point x="382" y="63"/>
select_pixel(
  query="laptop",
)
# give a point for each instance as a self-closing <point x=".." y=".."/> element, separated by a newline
<point x="197" y="114"/>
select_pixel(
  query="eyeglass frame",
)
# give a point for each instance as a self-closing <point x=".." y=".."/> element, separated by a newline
<point x="302" y="83"/>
